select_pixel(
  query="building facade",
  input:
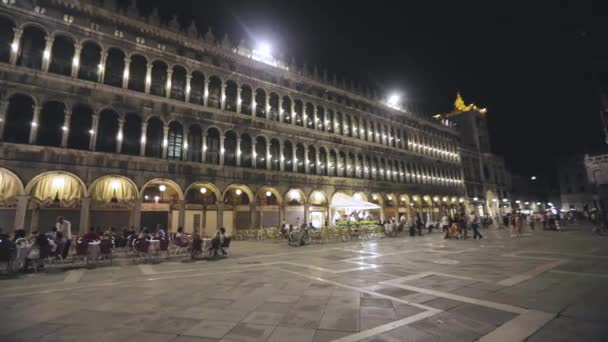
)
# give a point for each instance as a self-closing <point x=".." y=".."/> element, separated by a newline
<point x="486" y="178"/>
<point x="109" y="118"/>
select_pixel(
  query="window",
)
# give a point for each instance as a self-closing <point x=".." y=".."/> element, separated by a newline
<point x="68" y="18"/>
<point x="8" y="2"/>
<point x="161" y="46"/>
<point x="174" y="150"/>
<point x="39" y="10"/>
<point x="118" y="33"/>
<point x="140" y="40"/>
<point x="94" y="26"/>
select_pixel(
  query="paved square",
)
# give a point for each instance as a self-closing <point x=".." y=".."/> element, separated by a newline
<point x="547" y="286"/>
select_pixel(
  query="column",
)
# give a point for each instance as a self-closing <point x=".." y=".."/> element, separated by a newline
<point x="148" y="77"/>
<point x="142" y="140"/>
<point x="169" y="82"/>
<point x="137" y="213"/>
<point x="34" y="125"/>
<point x="65" y="130"/>
<point x="267" y="106"/>
<point x="306" y="213"/>
<point x="102" y="66"/>
<point x="318" y="161"/>
<point x="238" y="151"/>
<point x="206" y="92"/>
<point x="21" y="211"/>
<point x="165" y="140"/>
<point x="223" y="96"/>
<point x="125" y="73"/>
<point x="268" y="156"/>
<point x="282" y="159"/>
<point x="181" y="218"/>
<point x="252" y="212"/>
<point x="119" y="135"/>
<point x="281" y="109"/>
<point x="185" y="145"/>
<point x="93" y="132"/>
<point x="220" y="214"/>
<point x="76" y="60"/>
<point x="46" y="55"/>
<point x="292" y="115"/>
<point x="254" y="156"/>
<point x="3" y="110"/>
<point x="294" y="158"/>
<point x="188" y="86"/>
<point x="238" y="99"/>
<point x="306" y="161"/>
<point x="222" y="149"/>
<point x="15" y="46"/>
<point x="85" y="206"/>
<point x="204" y="149"/>
<point x="315" y="118"/>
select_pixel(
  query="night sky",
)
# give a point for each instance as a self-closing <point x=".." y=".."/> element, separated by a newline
<point x="529" y="63"/>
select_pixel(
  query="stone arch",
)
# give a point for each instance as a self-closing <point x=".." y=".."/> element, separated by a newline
<point x="32" y="46"/>
<point x="263" y="192"/>
<point x="246" y="99"/>
<point x="318" y="197"/>
<point x="207" y="185"/>
<point x="260" y="103"/>
<point x="197" y="87"/>
<point x="113" y="187"/>
<point x="230" y="147"/>
<point x="212" y="144"/>
<point x="19" y="116"/>
<point x="89" y="60"/>
<point x="50" y="124"/>
<point x="195" y="143"/>
<point x="138" y="69"/>
<point x="230" y="95"/>
<point x="107" y="132"/>
<point x="260" y="154"/>
<point x="52" y="184"/>
<point x="158" y="77"/>
<point x="62" y="54"/>
<point x="10" y="185"/>
<point x="294" y="196"/>
<point x="162" y="181"/>
<point x="7" y="27"/>
<point x="175" y="140"/>
<point x="114" y="69"/>
<point x="178" y="82"/>
<point x="243" y="188"/>
<point x="214" y="97"/>
<point x="286" y="109"/>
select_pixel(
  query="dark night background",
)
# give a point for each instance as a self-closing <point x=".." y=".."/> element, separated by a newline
<point x="529" y="63"/>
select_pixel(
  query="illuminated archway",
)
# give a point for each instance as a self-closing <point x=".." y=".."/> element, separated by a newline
<point x="201" y="208"/>
<point x="240" y="198"/>
<point x="161" y="199"/>
<point x="268" y="201"/>
<point x="10" y="187"/>
<point x="112" y="201"/>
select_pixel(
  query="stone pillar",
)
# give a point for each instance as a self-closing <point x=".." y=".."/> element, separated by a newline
<point x="65" y="129"/>
<point x="306" y="160"/>
<point x="223" y="96"/>
<point x="315" y="118"/>
<point x="85" y="210"/>
<point x="125" y="73"/>
<point x="206" y="92"/>
<point x="149" y="67"/>
<point x="293" y="112"/>
<point x="102" y="66"/>
<point x="253" y="214"/>
<point x="119" y="135"/>
<point x="165" y="140"/>
<point x="239" y="100"/>
<point x="21" y="211"/>
<point x="254" y="154"/>
<point x="93" y="132"/>
<point x="222" y="149"/>
<point x="294" y="159"/>
<point x="169" y="83"/>
<point x="188" y="86"/>
<point x="282" y="158"/>
<point x="142" y="139"/>
<point x="204" y="149"/>
<point x="238" y="151"/>
<point x="46" y="55"/>
<point x="15" y="45"/>
<point x="185" y="145"/>
<point x="318" y="161"/>
<point x="181" y="218"/>
<point x="268" y="156"/>
<point x="220" y="214"/>
<point x="3" y="111"/>
<point x="281" y="109"/>
<point x="34" y="124"/>
<point x="76" y="60"/>
<point x="306" y="213"/>
<point x="137" y="213"/>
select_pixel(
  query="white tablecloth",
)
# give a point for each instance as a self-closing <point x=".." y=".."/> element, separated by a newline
<point x="21" y="255"/>
<point x="93" y="250"/>
<point x="154" y="246"/>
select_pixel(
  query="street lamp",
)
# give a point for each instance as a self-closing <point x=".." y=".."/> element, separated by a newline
<point x="533" y="178"/>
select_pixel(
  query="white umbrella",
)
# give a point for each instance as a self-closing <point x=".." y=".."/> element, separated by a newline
<point x="341" y="200"/>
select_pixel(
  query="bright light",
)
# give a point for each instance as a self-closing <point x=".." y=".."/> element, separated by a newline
<point x="518" y="201"/>
<point x="238" y="192"/>
<point x="203" y="190"/>
<point x="91" y="131"/>
<point x="393" y="100"/>
<point x="533" y="178"/>
<point x="162" y="188"/>
<point x="475" y="198"/>
<point x="115" y="185"/>
<point x="505" y="200"/>
<point x="268" y="193"/>
<point x="357" y="196"/>
<point x="265" y="49"/>
<point x="15" y="47"/>
<point x="58" y="182"/>
<point x="46" y="54"/>
<point x="64" y="128"/>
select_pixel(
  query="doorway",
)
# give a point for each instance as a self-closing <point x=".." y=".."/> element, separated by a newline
<point x="151" y="218"/>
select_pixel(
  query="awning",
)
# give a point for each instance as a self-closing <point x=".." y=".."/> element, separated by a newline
<point x="341" y="200"/>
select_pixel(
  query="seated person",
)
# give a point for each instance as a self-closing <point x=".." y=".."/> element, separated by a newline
<point x="52" y="235"/>
<point x="222" y="235"/>
<point x="91" y="236"/>
<point x="180" y="238"/>
<point x="39" y="250"/>
<point x="145" y="234"/>
<point x="160" y="232"/>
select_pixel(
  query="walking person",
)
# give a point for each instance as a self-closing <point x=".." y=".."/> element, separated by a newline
<point x="65" y="227"/>
<point x="475" y="225"/>
<point x="595" y="221"/>
<point x="514" y="223"/>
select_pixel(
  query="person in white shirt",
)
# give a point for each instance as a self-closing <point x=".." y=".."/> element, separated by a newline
<point x="65" y="227"/>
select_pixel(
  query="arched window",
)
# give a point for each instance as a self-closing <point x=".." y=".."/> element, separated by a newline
<point x="158" y="83"/>
<point x="347" y="128"/>
<point x="246" y="151"/>
<point x="62" y="56"/>
<point x="300" y="158"/>
<point x="178" y="83"/>
<point x="115" y="67"/>
<point x="246" y="98"/>
<point x="288" y="156"/>
<point x="230" y="100"/>
<point x="333" y="163"/>
<point x="274" y="107"/>
<point x="7" y="34"/>
<point x="322" y="163"/>
<point x="275" y="148"/>
<point x="197" y="86"/>
<point x="90" y="57"/>
<point x="341" y="167"/>
<point x="215" y="92"/>
<point x="312" y="160"/>
<point x="299" y="116"/>
<point x="80" y="126"/>
<point x="338" y="126"/>
<point x="321" y="124"/>
<point x="154" y="138"/>
<point x="195" y="143"/>
<point x="260" y="153"/>
<point x="175" y="141"/>
<point x="19" y="119"/>
<point x="329" y="122"/>
<point x="355" y="128"/>
<point x="50" y="124"/>
<point x="310" y="115"/>
<point x="131" y="134"/>
<point x="31" y="47"/>
<point x="213" y="146"/>
<point x="350" y="166"/>
<point x="260" y="103"/>
<point x="107" y="131"/>
<point x="230" y="148"/>
<point x="137" y="73"/>
<point x="287" y="109"/>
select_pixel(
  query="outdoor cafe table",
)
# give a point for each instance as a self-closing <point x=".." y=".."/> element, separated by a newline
<point x="21" y="255"/>
<point x="154" y="246"/>
<point x="93" y="250"/>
